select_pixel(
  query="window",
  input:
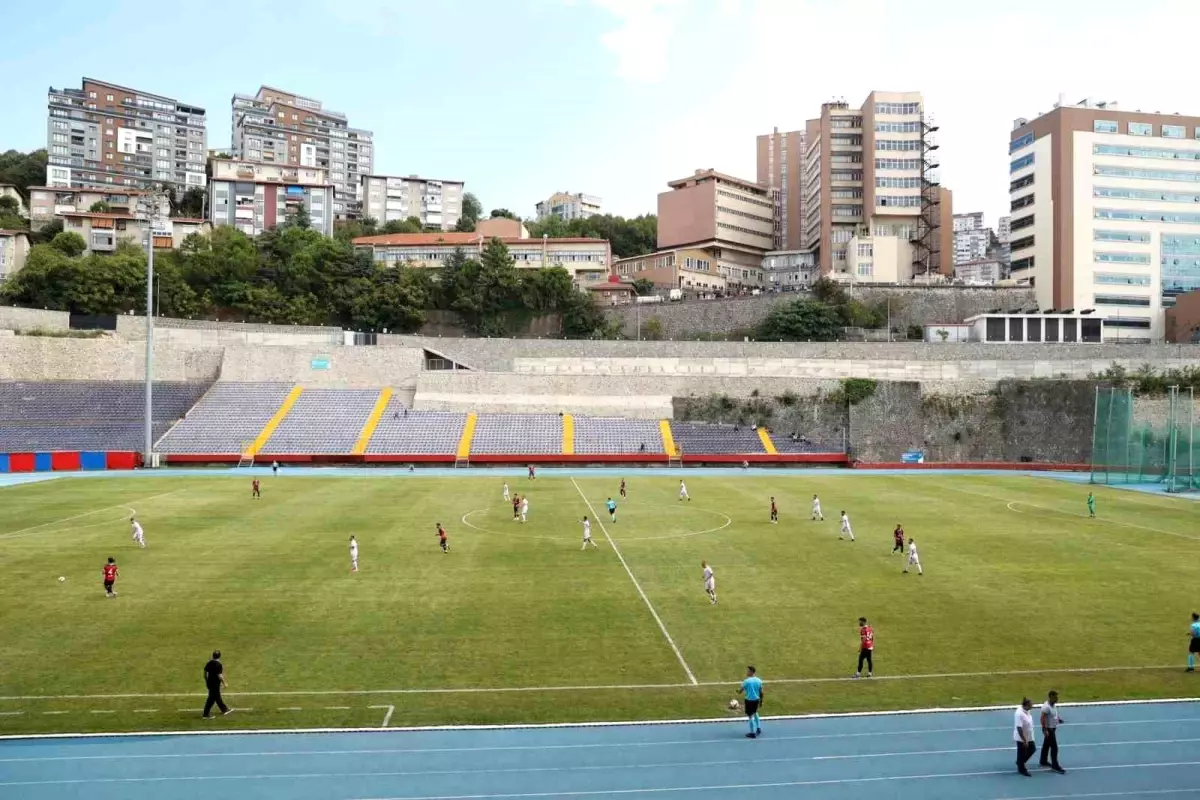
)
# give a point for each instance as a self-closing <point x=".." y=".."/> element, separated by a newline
<point x="1021" y="244"/>
<point x="1016" y="329"/>
<point x="1023" y="222"/>
<point x="1017" y="144"/>
<point x="1020" y="183"/>
<point x="1174" y="131"/>
<point x="1104" y="126"/>
<point x="1147" y="216"/>
<point x="995" y="329"/>
<point x="1146" y="152"/>
<point x="1141" y="129"/>
<point x="898" y="163"/>
<point x="897" y="144"/>
<point x="1146" y="174"/>
<point x="1121" y="236"/>
<point x="1033" y="330"/>
<point x="898" y="201"/>
<point x="1020" y="163"/>
<point x="897" y="183"/>
<point x="1052" y="330"/>
<point x="1022" y="263"/>
<point x="898" y="127"/>
<point x="1145" y="194"/>
<point x="1021" y="202"/>
<point x="866" y="269"/>
<point x="91" y="95"/>
<point x="1122" y="258"/>
<point x="866" y="250"/>
<point x="1070" y="330"/>
<point x="1121" y="300"/>
<point x="897" y="108"/>
<point x="108" y="98"/>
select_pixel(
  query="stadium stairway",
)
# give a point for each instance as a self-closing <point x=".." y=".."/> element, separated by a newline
<point x="568" y="435"/>
<point x="368" y="429"/>
<point x="463" y="451"/>
<point x="768" y="445"/>
<point x="265" y="434"/>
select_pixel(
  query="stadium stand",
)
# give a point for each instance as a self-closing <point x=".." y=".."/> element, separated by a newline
<point x="402" y="431"/>
<point x="802" y="444"/>
<point x="614" y="435"/>
<point x="230" y="415"/>
<point x="323" y="421"/>
<point x="526" y="434"/>
<point x="87" y="415"/>
<point x="693" y="438"/>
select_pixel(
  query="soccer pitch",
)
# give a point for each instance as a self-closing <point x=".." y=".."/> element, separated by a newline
<point x="1021" y="593"/>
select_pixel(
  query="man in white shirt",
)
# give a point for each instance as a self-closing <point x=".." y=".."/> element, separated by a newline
<point x="506" y="495"/>
<point x="710" y="582"/>
<point x="914" y="560"/>
<point x="524" y="507"/>
<point x="683" y="493"/>
<point x="1050" y="722"/>
<point x="353" y="554"/>
<point x="846" y="530"/>
<point x="587" y="535"/>
<point x="138" y="535"/>
<point x="1023" y="735"/>
<point x="816" y="510"/>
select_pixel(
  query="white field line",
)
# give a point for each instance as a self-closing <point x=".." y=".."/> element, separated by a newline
<point x="592" y="688"/>
<point x="33" y="530"/>
<point x="387" y="717"/>
<point x="686" y="669"/>
<point x="612" y="724"/>
<point x="1103" y="520"/>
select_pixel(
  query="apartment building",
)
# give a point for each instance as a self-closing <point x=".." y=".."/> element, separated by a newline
<point x="105" y="135"/>
<point x="691" y="269"/>
<point x="47" y="203"/>
<point x="14" y="248"/>
<point x="278" y="127"/>
<point x="731" y="218"/>
<point x="437" y="203"/>
<point x="1106" y="212"/>
<point x="104" y="231"/>
<point x="984" y="271"/>
<point x="257" y="196"/>
<point x="872" y="207"/>
<point x="567" y="206"/>
<point x="789" y="270"/>
<point x="781" y="168"/>
<point x="971" y="237"/>
<point x="588" y="260"/>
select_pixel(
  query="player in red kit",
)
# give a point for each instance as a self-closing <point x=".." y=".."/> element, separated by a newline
<point x="110" y="577"/>
<point x="254" y="492"/>
<point x="898" y="535"/>
<point x="623" y="487"/>
<point x="866" y="636"/>
<point x="774" y="512"/>
<point x="441" y="534"/>
<point x="516" y="501"/>
<point x="532" y="472"/>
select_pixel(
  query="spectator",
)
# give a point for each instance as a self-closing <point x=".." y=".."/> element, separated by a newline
<point x="1023" y="736"/>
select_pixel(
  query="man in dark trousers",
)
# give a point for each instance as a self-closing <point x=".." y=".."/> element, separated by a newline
<point x="1050" y="722"/>
<point x="214" y="680"/>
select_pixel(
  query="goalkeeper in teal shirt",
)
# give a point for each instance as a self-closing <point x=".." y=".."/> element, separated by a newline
<point x="1194" y="646"/>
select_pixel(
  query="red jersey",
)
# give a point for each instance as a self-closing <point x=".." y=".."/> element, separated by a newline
<point x="110" y="573"/>
<point x="899" y="535"/>
<point x="531" y="472"/>
<point x="867" y="635"/>
<point x="441" y="534"/>
<point x="255" y="484"/>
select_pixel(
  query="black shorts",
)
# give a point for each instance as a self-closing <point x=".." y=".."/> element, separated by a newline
<point x="109" y="584"/>
<point x="1194" y="647"/>
<point x="752" y="707"/>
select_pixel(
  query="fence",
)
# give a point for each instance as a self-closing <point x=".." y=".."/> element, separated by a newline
<point x="1125" y="451"/>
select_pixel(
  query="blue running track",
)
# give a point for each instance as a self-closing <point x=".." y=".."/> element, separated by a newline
<point x="1147" y="750"/>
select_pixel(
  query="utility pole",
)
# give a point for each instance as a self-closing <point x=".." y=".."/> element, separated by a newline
<point x="150" y="208"/>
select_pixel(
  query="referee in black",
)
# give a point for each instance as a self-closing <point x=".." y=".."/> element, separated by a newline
<point x="214" y="680"/>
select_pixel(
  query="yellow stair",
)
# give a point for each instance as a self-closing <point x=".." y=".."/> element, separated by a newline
<point x="368" y="429"/>
<point x="568" y="446"/>
<point x="768" y="445"/>
<point x="265" y="434"/>
<point x="664" y="426"/>
<point x="464" y="443"/>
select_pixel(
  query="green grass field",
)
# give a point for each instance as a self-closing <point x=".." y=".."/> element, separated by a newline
<point x="1016" y="579"/>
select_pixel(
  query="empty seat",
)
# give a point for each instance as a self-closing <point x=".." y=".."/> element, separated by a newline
<point x="518" y="434"/>
<point x="323" y="421"/>
<point x="617" y="435"/>
<point x="697" y="438"/>
<point x="229" y="417"/>
<point x="405" y="432"/>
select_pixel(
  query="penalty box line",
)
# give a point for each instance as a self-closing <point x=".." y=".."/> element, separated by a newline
<point x="598" y="688"/>
<point x="657" y="619"/>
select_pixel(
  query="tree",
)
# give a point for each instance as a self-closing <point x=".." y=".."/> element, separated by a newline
<point x="410" y="225"/>
<point x="100" y="207"/>
<point x="9" y="205"/>
<point x="300" y="219"/>
<point x="23" y="169"/>
<point x="69" y="243"/>
<point x="472" y="210"/>
<point x="46" y="233"/>
<point x="190" y="204"/>
<point x="643" y="286"/>
<point x="628" y="237"/>
<point x="801" y="321"/>
<point x="502" y="212"/>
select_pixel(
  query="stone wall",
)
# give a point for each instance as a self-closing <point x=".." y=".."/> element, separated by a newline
<point x="43" y="358"/>
<point x="24" y="319"/>
<point x="328" y="366"/>
<point x="910" y="305"/>
<point x="206" y="333"/>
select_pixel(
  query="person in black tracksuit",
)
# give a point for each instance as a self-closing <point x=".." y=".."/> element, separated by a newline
<point x="214" y="680"/>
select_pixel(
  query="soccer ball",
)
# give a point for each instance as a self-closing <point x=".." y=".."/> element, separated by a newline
<point x="733" y="705"/>
<point x="61" y="579"/>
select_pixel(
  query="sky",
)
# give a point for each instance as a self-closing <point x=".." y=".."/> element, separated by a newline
<point x="522" y="98"/>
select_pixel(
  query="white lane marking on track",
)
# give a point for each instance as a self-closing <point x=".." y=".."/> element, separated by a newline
<point x="33" y="530"/>
<point x="599" y="688"/>
<point x="1137" y="792"/>
<point x="686" y="669"/>
<point x="387" y="717"/>
<point x="990" y="749"/>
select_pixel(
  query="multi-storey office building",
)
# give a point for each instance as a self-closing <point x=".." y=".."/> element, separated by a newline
<point x="254" y="197"/>
<point x="104" y="135"/>
<point x="873" y="208"/>
<point x="690" y="269"/>
<point x="781" y="167"/>
<point x="567" y="206"/>
<point x="1106" y="212"/>
<point x="278" y="127"/>
<point x="437" y="203"/>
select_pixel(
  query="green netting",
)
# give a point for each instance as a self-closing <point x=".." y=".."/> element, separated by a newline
<point x="1161" y="451"/>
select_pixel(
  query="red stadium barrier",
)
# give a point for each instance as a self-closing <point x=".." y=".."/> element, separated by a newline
<point x="64" y="461"/>
<point x="122" y="460"/>
<point x="21" y="462"/>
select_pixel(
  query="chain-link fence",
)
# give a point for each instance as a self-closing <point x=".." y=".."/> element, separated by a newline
<point x="1129" y="451"/>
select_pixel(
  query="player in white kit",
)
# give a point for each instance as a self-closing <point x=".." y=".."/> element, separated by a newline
<point x="683" y="494"/>
<point x="846" y="531"/>
<point x="506" y="495"/>
<point x="353" y="554"/>
<point x="710" y="582"/>
<point x="524" y="507"/>
<point x="914" y="560"/>
<point x="587" y="534"/>
<point x="138" y="535"/>
<point x="816" y="509"/>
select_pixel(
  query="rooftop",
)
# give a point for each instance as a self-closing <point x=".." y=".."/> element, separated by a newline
<point x="457" y="238"/>
<point x="712" y="174"/>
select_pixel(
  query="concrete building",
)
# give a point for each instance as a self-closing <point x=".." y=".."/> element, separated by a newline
<point x="691" y="269"/>
<point x="105" y="135"/>
<point x="437" y="203"/>
<point x="1106" y="212"/>
<point x="588" y="260"/>
<point x="1183" y="319"/>
<point x="278" y="127"/>
<point x="781" y="168"/>
<point x="789" y="270"/>
<point x="733" y="219"/>
<point x="257" y="196"/>
<point x="47" y="203"/>
<point x="567" y="206"/>
<point x="8" y="190"/>
<point x="104" y="231"/>
<point x="873" y="209"/>
<point x="502" y="228"/>
<point x="971" y="238"/>
<point x="979" y="272"/>
<point x="14" y="247"/>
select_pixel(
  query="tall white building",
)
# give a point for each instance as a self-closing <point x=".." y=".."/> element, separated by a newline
<point x="971" y="238"/>
<point x="567" y="206"/>
<point x="1106" y="212"/>
<point x="437" y="203"/>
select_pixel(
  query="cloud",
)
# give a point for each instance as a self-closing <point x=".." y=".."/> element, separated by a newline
<point x="641" y="41"/>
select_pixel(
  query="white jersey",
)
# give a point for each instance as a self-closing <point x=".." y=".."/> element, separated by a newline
<point x="137" y="530"/>
<point x="816" y="506"/>
<point x="682" y="489"/>
<point x="524" y="505"/>
<point x="354" y="551"/>
<point x="506" y="491"/>
<point x="913" y="558"/>
<point x="709" y="580"/>
<point x="587" y="529"/>
<point x="845" y="523"/>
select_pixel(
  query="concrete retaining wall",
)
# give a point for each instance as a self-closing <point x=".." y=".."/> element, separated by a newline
<point x="328" y="366"/>
<point x="41" y="358"/>
<point x="24" y="319"/>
